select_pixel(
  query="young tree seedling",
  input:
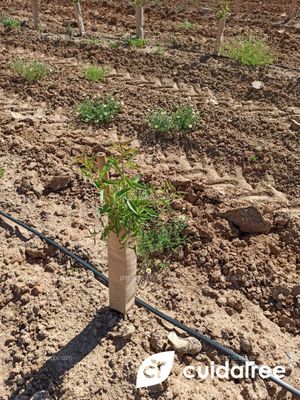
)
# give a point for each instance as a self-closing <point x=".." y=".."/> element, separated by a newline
<point x="223" y="15"/>
<point x="129" y="205"/>
<point x="35" y="6"/>
<point x="79" y="17"/>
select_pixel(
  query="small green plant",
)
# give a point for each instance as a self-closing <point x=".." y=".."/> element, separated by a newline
<point x="182" y="119"/>
<point x="224" y="11"/>
<point x="93" y="41"/>
<point x="254" y="158"/>
<point x="160" y="120"/>
<point x="160" y="51"/>
<point x="159" y="241"/>
<point x="185" y="119"/>
<point x="186" y="25"/>
<point x="114" y="45"/>
<point x="248" y="51"/>
<point x="41" y="29"/>
<point x="30" y="71"/>
<point x="10" y="23"/>
<point x="94" y="73"/>
<point x="2" y="172"/>
<point x="99" y="111"/>
<point x="139" y="213"/>
<point x="137" y="42"/>
<point x="69" y="30"/>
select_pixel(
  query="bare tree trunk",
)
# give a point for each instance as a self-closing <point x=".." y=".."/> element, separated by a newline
<point x="236" y="7"/>
<point x="79" y="18"/>
<point x="292" y="9"/>
<point x="35" y="13"/>
<point x="220" y="35"/>
<point x="139" y="13"/>
<point x="122" y="269"/>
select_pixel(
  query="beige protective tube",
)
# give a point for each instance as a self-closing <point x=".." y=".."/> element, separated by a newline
<point x="220" y="35"/>
<point x="292" y="9"/>
<point x="236" y="7"/>
<point x="79" y="18"/>
<point x="122" y="268"/>
<point x="35" y="13"/>
<point x="139" y="14"/>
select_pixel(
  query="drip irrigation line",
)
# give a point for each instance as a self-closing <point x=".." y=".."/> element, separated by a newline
<point x="101" y="277"/>
<point x="104" y="280"/>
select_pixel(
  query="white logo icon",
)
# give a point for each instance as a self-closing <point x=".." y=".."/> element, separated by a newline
<point x="155" y="369"/>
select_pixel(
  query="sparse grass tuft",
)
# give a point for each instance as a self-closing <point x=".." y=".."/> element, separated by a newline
<point x="160" y="51"/>
<point x="10" y="23"/>
<point x="94" y="73"/>
<point x="32" y="71"/>
<point x="158" y="242"/>
<point x="248" y="51"/>
<point x="137" y="42"/>
<point x="99" y="111"/>
<point x="114" y="45"/>
<point x="182" y="119"/>
<point x="94" y="41"/>
<point x="186" y="25"/>
<point x="69" y="30"/>
<point x="2" y="172"/>
<point x="253" y="158"/>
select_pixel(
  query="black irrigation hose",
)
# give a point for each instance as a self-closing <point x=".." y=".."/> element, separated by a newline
<point x="104" y="280"/>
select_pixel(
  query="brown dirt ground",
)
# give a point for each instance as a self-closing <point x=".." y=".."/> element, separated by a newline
<point x="57" y="333"/>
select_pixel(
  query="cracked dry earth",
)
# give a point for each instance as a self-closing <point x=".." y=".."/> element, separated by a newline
<point x="238" y="282"/>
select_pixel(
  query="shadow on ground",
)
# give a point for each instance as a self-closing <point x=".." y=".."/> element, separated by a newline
<point x="52" y="372"/>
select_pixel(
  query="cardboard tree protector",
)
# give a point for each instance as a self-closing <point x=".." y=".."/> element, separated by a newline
<point x="139" y="13"/>
<point x="79" y="18"/>
<point x="35" y="13"/>
<point x="220" y="36"/>
<point x="223" y="14"/>
<point x="292" y="9"/>
<point x="122" y="268"/>
<point x="236" y="7"/>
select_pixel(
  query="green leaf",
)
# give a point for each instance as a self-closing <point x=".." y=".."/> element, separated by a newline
<point x="110" y="181"/>
<point x="122" y="192"/>
<point x="104" y="209"/>
<point x="132" y="207"/>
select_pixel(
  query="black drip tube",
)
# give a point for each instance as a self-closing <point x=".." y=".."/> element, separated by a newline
<point x="104" y="280"/>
